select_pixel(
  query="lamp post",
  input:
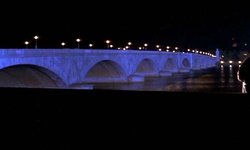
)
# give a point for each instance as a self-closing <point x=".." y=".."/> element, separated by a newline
<point x="90" y="45"/>
<point x="111" y="46"/>
<point x="63" y="44"/>
<point x="176" y="48"/>
<point x="145" y="45"/>
<point x="36" y="37"/>
<point x="168" y="47"/>
<point x="129" y="45"/>
<point x="78" y="42"/>
<point x="158" y="47"/>
<point x="107" y="41"/>
<point x="26" y="43"/>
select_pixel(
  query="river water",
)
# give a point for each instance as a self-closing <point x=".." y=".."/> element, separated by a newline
<point x="214" y="79"/>
<point x="120" y="120"/>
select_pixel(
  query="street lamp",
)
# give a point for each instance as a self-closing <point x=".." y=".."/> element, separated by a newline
<point x="26" y="43"/>
<point x="145" y="45"/>
<point x="78" y="42"/>
<point x="129" y="45"/>
<point x="157" y="46"/>
<point x="108" y="41"/>
<point x="176" y="48"/>
<point x="63" y="44"/>
<point x="90" y="45"/>
<point x="36" y="37"/>
<point x="168" y="47"/>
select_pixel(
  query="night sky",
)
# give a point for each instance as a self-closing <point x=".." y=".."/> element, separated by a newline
<point x="188" y="24"/>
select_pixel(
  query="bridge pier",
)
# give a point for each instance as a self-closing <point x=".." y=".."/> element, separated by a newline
<point x="147" y="74"/>
<point x="136" y="78"/>
<point x="105" y="80"/>
<point x="81" y="86"/>
<point x="184" y="70"/>
<point x="165" y="73"/>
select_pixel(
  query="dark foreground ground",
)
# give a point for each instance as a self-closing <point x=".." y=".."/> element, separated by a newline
<point x="107" y="119"/>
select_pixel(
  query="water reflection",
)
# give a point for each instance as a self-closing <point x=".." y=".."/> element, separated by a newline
<point x="216" y="79"/>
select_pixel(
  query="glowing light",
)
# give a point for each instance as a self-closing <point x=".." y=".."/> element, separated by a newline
<point x="36" y="37"/>
<point x="78" y="42"/>
<point x="108" y="41"/>
<point x="90" y="45"/>
<point x="26" y="43"/>
<point x="145" y="45"/>
<point x="63" y="44"/>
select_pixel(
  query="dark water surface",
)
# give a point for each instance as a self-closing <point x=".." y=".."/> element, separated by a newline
<point x="51" y="119"/>
<point x="216" y="79"/>
<point x="129" y="118"/>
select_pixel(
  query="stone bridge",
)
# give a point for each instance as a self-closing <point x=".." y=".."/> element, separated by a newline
<point x="78" y="68"/>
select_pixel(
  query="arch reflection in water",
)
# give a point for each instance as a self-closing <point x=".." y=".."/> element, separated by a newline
<point x="214" y="79"/>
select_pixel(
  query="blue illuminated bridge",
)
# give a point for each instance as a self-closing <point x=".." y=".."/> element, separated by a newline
<point x="80" y="68"/>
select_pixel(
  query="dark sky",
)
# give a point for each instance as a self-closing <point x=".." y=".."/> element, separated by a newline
<point x="187" y="24"/>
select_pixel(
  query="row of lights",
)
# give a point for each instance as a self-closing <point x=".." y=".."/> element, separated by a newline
<point x="109" y="45"/>
<point x="234" y="62"/>
<point x="230" y="62"/>
<point x="78" y="40"/>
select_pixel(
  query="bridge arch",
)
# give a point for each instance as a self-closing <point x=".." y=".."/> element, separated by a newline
<point x="30" y="76"/>
<point x="146" y="67"/>
<point x="105" y="71"/>
<point x="169" y="65"/>
<point x="186" y="63"/>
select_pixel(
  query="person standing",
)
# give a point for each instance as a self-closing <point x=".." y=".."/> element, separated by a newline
<point x="243" y="75"/>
